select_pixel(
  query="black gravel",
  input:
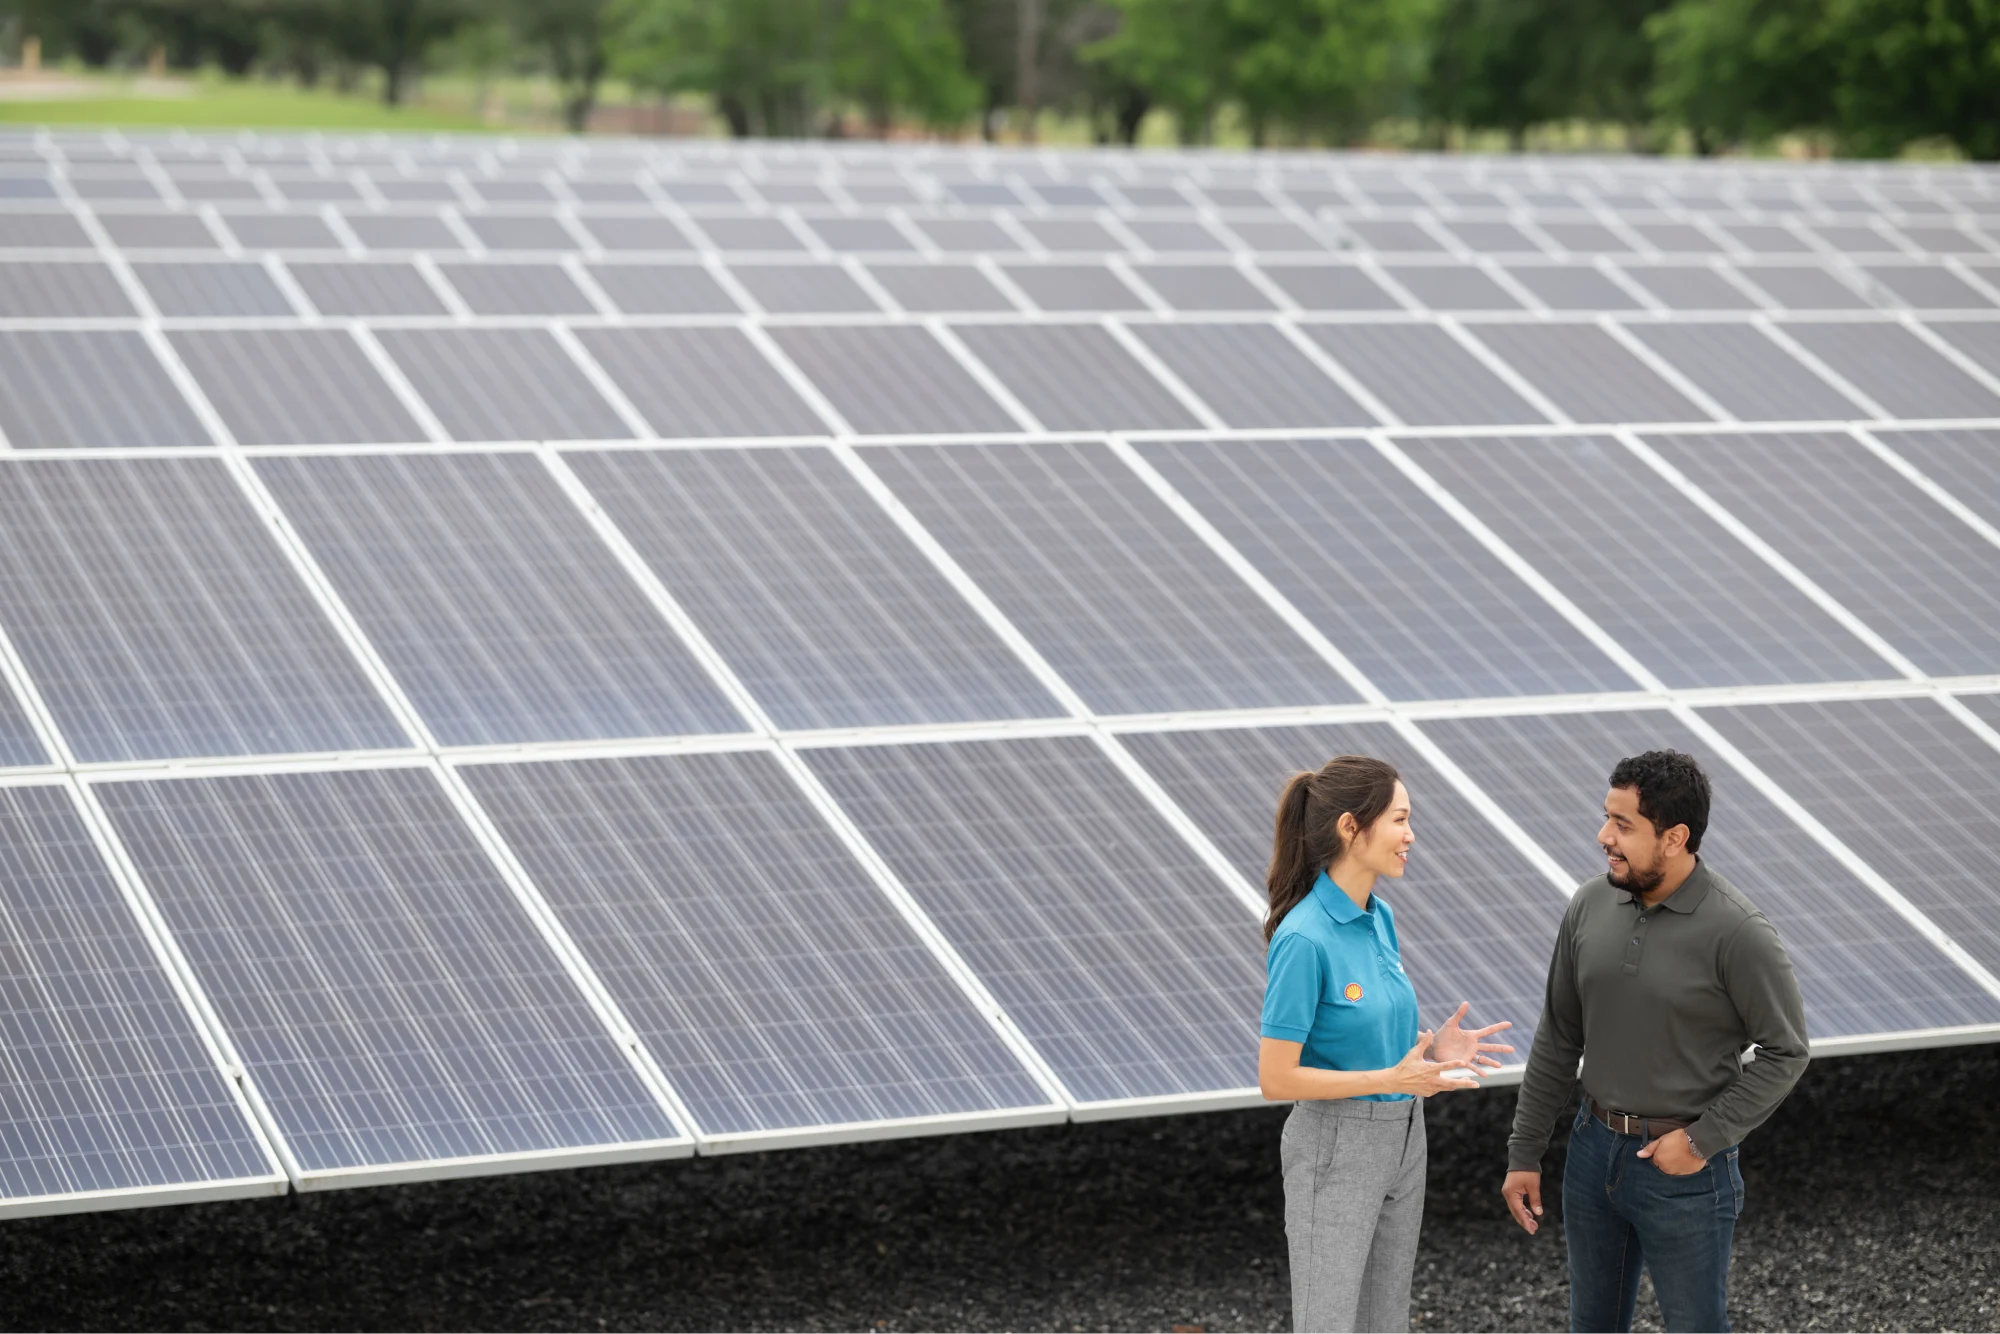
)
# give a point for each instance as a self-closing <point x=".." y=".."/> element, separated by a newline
<point x="1873" y="1203"/>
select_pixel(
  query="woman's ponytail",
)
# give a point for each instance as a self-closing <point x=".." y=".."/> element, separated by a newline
<point x="1307" y="839"/>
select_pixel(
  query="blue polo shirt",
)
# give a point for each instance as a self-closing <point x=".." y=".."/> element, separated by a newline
<point x="1335" y="983"/>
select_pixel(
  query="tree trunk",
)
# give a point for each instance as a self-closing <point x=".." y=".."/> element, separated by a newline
<point x="735" y="113"/>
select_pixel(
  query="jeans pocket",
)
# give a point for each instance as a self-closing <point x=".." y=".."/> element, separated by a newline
<point x="1735" y="1181"/>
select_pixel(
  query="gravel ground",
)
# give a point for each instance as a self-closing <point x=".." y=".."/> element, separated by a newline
<point x="1871" y="1205"/>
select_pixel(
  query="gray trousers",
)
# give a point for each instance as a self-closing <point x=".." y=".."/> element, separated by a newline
<point x="1354" y="1203"/>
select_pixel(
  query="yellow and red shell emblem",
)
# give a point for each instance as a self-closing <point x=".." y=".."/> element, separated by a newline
<point x="1352" y="991"/>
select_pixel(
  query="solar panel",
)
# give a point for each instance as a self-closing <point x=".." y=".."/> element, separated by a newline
<point x="1965" y="463"/>
<point x="1862" y="967"/>
<point x="1746" y="372"/>
<point x="803" y="289"/>
<point x="1690" y="287"/>
<point x="1897" y="369"/>
<point x="967" y="234"/>
<point x="499" y="612"/>
<point x="1473" y="918"/>
<point x="1588" y="373"/>
<point x="517" y="289"/>
<point x="1133" y="972"/>
<point x="1422" y="375"/>
<point x="1927" y="287"/>
<point x="620" y="231"/>
<point x="390" y="1000"/>
<point x="60" y="289"/>
<point x="1073" y="287"/>
<point x="1908" y="787"/>
<point x="399" y="231"/>
<point x="281" y="231"/>
<point x="502" y="384"/>
<point x="895" y="380"/>
<point x="748" y="234"/>
<point x="700" y="382"/>
<point x="767" y="975"/>
<point x="133" y="231"/>
<point x="952" y="288"/>
<point x="1168" y="236"/>
<point x="159" y="621"/>
<point x="1688" y="600"/>
<point x="1572" y="287"/>
<point x="212" y="288"/>
<point x="1883" y="549"/>
<point x="106" y="1084"/>
<point x="294" y="387"/>
<point x="510" y="232"/>
<point x="1452" y="286"/>
<point x="1120" y="597"/>
<point x="357" y="289"/>
<point x="1204" y="287"/>
<point x="820" y="605"/>
<point x="85" y="389"/>
<point x="1330" y="287"/>
<point x="1803" y="287"/>
<point x="1075" y="377"/>
<point x="1404" y="592"/>
<point x="1253" y="376"/>
<point x="1979" y="341"/>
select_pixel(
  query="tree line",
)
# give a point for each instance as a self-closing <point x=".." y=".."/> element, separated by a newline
<point x="1858" y="77"/>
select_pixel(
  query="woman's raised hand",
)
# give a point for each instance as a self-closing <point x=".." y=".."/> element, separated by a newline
<point x="1418" y="1074"/>
<point x="1455" y="1043"/>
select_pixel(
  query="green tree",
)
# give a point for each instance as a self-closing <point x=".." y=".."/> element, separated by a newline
<point x="1181" y="52"/>
<point x="1484" y="68"/>
<point x="903" y="56"/>
<point x="573" y="36"/>
<point x="763" y="61"/>
<point x="1331" y="67"/>
<point x="1913" y="69"/>
<point x="1736" y="71"/>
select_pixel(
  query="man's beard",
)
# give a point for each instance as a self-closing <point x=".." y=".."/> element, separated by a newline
<point x="1638" y="882"/>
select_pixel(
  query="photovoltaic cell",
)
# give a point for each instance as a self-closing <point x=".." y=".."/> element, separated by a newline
<point x="1252" y="375"/>
<point x="1897" y="369"/>
<point x="517" y="289"/>
<point x="105" y="1082"/>
<point x="1133" y="972"/>
<point x="749" y="233"/>
<point x="968" y="234"/>
<point x="1330" y="287"/>
<point x="1572" y="287"/>
<point x="1908" y="787"/>
<point x="663" y="289"/>
<point x="1882" y="548"/>
<point x="1475" y="921"/>
<point x="501" y="615"/>
<point x="1978" y="340"/>
<point x="1073" y="287"/>
<point x="1746" y="372"/>
<point x="895" y="380"/>
<point x="1204" y="287"/>
<point x="1451" y="286"/>
<point x="294" y="387"/>
<point x="349" y="289"/>
<point x="819" y="603"/>
<point x="1405" y="593"/>
<point x="1588" y="374"/>
<point x="133" y="231"/>
<point x="1928" y="287"/>
<point x="1965" y="463"/>
<point x="701" y="382"/>
<point x="212" y="288"/>
<point x="1075" y="377"/>
<point x="1423" y="375"/>
<point x="943" y="288"/>
<point x="1121" y="597"/>
<point x="281" y="231"/>
<point x="513" y="232"/>
<point x="1804" y="287"/>
<point x="803" y="289"/>
<point x="502" y="384"/>
<point x="402" y="231"/>
<point x="1690" y="287"/>
<point x="84" y="389"/>
<point x="626" y="232"/>
<point x="1684" y="597"/>
<point x="159" y="621"/>
<point x="765" y="972"/>
<point x="1862" y="967"/>
<point x="60" y="289"/>
<point x="389" y="998"/>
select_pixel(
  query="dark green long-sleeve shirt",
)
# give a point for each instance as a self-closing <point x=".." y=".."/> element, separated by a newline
<point x="1659" y="1003"/>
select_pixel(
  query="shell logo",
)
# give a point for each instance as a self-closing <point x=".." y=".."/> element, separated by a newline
<point x="1352" y="991"/>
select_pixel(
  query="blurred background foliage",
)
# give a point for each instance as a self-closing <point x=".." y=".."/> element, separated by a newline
<point x="1851" y="77"/>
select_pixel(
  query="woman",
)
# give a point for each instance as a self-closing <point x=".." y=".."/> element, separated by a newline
<point x="1340" y="1040"/>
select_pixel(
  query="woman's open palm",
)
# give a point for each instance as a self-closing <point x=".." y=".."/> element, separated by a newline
<point x="1453" y="1043"/>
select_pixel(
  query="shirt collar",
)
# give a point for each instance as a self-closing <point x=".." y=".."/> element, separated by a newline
<point x="1334" y="901"/>
<point x="1683" y="900"/>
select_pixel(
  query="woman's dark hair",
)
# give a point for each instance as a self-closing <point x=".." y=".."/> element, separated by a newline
<point x="1308" y="836"/>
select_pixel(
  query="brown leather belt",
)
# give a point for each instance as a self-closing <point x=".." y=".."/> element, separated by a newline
<point x="1641" y="1127"/>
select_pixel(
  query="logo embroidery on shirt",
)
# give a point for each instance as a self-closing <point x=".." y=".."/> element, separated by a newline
<point x="1352" y="991"/>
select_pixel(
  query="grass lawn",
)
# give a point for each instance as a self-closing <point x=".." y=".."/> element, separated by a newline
<point x="211" y="103"/>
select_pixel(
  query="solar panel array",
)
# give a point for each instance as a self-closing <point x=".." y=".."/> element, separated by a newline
<point x="523" y="653"/>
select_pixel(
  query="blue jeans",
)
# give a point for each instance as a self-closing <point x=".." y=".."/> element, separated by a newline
<point x="1621" y="1212"/>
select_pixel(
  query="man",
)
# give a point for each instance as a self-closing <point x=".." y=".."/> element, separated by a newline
<point x="1663" y="974"/>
